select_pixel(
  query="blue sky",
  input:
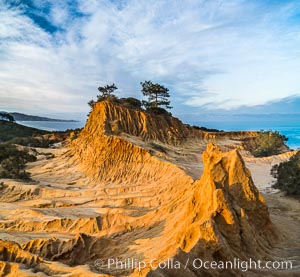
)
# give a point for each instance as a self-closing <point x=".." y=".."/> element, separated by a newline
<point x="218" y="56"/>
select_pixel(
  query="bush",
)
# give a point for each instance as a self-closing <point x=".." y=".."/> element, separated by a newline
<point x="288" y="175"/>
<point x="31" y="141"/>
<point x="12" y="162"/>
<point x="131" y="102"/>
<point x="111" y="98"/>
<point x="158" y="111"/>
<point x="206" y="129"/>
<point x="269" y="143"/>
<point x="10" y="130"/>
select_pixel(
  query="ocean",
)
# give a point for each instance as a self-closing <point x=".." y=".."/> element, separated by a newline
<point x="286" y="125"/>
<point x="52" y="125"/>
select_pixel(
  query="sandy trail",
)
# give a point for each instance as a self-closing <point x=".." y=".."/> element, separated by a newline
<point x="284" y="211"/>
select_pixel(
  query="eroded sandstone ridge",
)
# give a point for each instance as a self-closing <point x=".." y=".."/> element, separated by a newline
<point x="113" y="119"/>
<point x="112" y="194"/>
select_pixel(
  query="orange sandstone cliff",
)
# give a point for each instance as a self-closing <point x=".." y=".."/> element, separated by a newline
<point x="128" y="202"/>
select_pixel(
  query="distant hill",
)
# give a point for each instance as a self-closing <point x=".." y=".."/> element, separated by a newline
<point x="26" y="117"/>
<point x="10" y="130"/>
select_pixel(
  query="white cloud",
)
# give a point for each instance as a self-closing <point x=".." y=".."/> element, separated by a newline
<point x="228" y="53"/>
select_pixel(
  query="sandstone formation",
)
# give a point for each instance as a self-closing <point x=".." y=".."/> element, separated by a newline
<point x="126" y="188"/>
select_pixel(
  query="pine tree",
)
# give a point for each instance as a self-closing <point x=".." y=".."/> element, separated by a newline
<point x="157" y="95"/>
<point x="106" y="92"/>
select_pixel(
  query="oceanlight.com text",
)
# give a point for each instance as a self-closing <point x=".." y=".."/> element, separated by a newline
<point x="196" y="264"/>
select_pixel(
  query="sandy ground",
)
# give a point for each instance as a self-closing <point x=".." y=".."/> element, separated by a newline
<point x="284" y="211"/>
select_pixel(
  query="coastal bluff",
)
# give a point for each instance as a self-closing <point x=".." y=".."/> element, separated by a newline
<point x="127" y="187"/>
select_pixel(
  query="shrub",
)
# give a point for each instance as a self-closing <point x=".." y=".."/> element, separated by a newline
<point x="31" y="141"/>
<point x="269" y="143"/>
<point x="158" y="111"/>
<point x="111" y="98"/>
<point x="206" y="129"/>
<point x="10" y="130"/>
<point x="288" y="175"/>
<point x="131" y="102"/>
<point x="12" y="162"/>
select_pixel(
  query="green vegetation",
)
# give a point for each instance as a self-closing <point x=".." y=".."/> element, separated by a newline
<point x="206" y="129"/>
<point x="158" y="95"/>
<point x="130" y="102"/>
<point x="288" y="175"/>
<point x="11" y="130"/>
<point x="40" y="141"/>
<point x="157" y="98"/>
<point x="106" y="92"/>
<point x="12" y="162"/>
<point x="269" y="143"/>
<point x="13" y="158"/>
<point x="15" y="133"/>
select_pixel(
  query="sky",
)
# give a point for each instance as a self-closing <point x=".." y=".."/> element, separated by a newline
<point x="217" y="56"/>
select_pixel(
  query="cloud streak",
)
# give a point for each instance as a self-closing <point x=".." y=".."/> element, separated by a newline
<point x="216" y="54"/>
